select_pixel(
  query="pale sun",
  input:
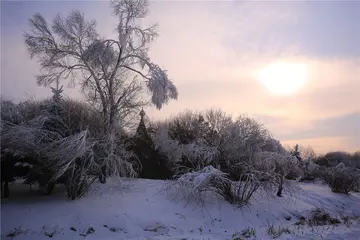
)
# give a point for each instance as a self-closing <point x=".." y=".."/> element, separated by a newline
<point x="283" y="78"/>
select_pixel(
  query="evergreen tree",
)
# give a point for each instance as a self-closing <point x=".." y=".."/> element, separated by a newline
<point x="296" y="152"/>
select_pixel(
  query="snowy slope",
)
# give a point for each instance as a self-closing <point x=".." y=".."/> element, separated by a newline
<point x="140" y="209"/>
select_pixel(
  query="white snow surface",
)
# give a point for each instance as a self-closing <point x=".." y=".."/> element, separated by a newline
<point x="142" y="209"/>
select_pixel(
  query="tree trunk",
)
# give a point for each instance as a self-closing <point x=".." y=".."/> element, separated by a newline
<point x="279" y="192"/>
<point x="280" y="188"/>
<point x="6" y="190"/>
<point x="49" y="188"/>
<point x="109" y="115"/>
<point x="102" y="175"/>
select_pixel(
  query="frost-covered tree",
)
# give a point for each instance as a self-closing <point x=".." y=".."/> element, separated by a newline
<point x="108" y="70"/>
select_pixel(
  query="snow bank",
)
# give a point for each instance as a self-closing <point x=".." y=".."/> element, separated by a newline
<point x="138" y="209"/>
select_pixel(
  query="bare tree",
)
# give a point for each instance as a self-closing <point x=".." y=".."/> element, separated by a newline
<point x="108" y="70"/>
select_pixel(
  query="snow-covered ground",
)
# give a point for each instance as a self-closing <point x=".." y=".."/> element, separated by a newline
<point x="141" y="209"/>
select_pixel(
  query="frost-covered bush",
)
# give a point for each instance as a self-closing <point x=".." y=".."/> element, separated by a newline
<point x="184" y="157"/>
<point x="77" y="115"/>
<point x="188" y="127"/>
<point x="342" y="179"/>
<point x="193" y="186"/>
<point x="331" y="159"/>
<point x="340" y="157"/>
<point x="241" y="140"/>
<point x="217" y="122"/>
<point x="278" y="166"/>
<point x="254" y="135"/>
<point x="273" y="145"/>
<point x="201" y="179"/>
<point x="17" y="113"/>
<point x="171" y="148"/>
<point x="71" y="146"/>
<point x="10" y="112"/>
<point x="53" y="152"/>
<point x="356" y="159"/>
<point x="311" y="170"/>
<point x="193" y="140"/>
<point x="238" y="192"/>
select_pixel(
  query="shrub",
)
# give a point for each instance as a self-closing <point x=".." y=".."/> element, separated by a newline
<point x="70" y="147"/>
<point x="248" y="232"/>
<point x="78" y="184"/>
<point x="342" y="179"/>
<point x="193" y="140"/>
<point x="237" y="192"/>
<point x="187" y="127"/>
<point x="276" y="167"/>
<point x="340" y="157"/>
<point x="245" y="233"/>
<point x="356" y="159"/>
<point x="193" y="186"/>
<point x="183" y="158"/>
<point x="311" y="170"/>
<point x="274" y="232"/>
<point x="319" y="217"/>
<point x="331" y="159"/>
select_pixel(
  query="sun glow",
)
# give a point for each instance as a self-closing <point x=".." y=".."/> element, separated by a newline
<point x="284" y="78"/>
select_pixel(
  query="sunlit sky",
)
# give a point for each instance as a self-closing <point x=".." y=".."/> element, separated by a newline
<point x="213" y="51"/>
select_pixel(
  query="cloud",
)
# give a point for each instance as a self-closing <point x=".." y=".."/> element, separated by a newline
<point x="344" y="126"/>
<point x="341" y="132"/>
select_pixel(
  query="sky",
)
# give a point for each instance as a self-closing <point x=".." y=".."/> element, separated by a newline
<point x="213" y="51"/>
